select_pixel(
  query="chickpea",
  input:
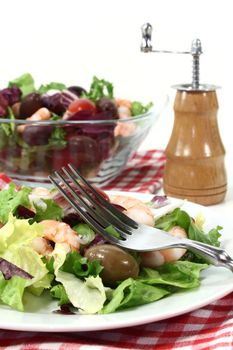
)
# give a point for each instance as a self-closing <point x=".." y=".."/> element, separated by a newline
<point x="41" y="114"/>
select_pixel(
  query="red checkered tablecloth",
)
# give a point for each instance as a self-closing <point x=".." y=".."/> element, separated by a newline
<point x="143" y="174"/>
<point x="209" y="328"/>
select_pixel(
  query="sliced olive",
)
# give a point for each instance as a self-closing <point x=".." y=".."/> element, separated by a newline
<point x="118" y="264"/>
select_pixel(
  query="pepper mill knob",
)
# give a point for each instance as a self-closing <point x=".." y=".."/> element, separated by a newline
<point x="146" y="45"/>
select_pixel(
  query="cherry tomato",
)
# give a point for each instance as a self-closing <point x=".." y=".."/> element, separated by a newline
<point x="4" y="180"/>
<point x="82" y="104"/>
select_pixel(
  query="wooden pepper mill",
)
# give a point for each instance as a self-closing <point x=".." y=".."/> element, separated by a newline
<point x="194" y="167"/>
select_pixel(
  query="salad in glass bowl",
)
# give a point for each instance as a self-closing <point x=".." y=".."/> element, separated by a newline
<point x="45" y="247"/>
<point x="43" y="129"/>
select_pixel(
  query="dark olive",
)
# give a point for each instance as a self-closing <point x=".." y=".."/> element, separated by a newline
<point x="54" y="103"/>
<point x="37" y="135"/>
<point x="29" y="105"/>
<point x="118" y="264"/>
<point x="77" y="90"/>
<point x="107" y="106"/>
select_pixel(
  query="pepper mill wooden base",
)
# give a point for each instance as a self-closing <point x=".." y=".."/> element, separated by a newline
<point x="195" y="167"/>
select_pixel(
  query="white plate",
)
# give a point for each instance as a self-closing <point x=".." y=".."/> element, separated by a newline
<point x="216" y="283"/>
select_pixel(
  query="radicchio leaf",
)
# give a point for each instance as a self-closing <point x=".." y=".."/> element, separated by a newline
<point x="9" y="270"/>
<point x="159" y="201"/>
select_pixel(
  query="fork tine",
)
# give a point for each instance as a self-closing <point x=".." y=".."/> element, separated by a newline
<point x="107" y="214"/>
<point x="91" y="211"/>
<point x="85" y="215"/>
<point x="101" y="220"/>
<point x="128" y="221"/>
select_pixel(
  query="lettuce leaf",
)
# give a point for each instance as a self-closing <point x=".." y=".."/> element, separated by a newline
<point x="87" y="295"/>
<point x="51" y="86"/>
<point x="80" y="266"/>
<point x="177" y="217"/>
<point x="153" y="285"/>
<point x="25" y="83"/>
<point x="58" y="292"/>
<point x="84" y="230"/>
<point x="133" y="293"/>
<point x="197" y="234"/>
<point x="11" y="292"/>
<point x="137" y="108"/>
<point x="52" y="211"/>
<point x="100" y="88"/>
<point x="194" y="231"/>
<point x="15" y="246"/>
<point x="180" y="274"/>
<point x="10" y="199"/>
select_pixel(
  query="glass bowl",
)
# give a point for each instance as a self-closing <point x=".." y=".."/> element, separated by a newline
<point x="100" y="149"/>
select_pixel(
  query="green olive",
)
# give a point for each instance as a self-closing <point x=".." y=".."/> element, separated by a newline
<point x="118" y="264"/>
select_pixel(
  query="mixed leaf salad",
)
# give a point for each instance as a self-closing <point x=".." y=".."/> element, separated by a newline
<point x="112" y="280"/>
<point x="36" y="130"/>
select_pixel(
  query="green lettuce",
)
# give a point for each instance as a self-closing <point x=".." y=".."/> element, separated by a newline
<point x="58" y="292"/>
<point x="137" y="108"/>
<point x="179" y="274"/>
<point x="11" y="198"/>
<point x="11" y="292"/>
<point x="58" y="137"/>
<point x="15" y="246"/>
<point x="194" y="231"/>
<point x="100" y="88"/>
<point x="85" y="232"/>
<point x="52" y="211"/>
<point x="154" y="284"/>
<point x="80" y="266"/>
<point x="133" y="293"/>
<point x="177" y="217"/>
<point x="87" y="295"/>
<point x="25" y="83"/>
<point x="51" y="86"/>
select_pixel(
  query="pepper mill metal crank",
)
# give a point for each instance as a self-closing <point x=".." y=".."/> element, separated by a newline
<point x="195" y="153"/>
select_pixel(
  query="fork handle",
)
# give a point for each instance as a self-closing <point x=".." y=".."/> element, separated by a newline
<point x="213" y="255"/>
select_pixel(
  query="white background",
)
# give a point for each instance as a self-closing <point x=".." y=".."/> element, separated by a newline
<point x="72" y="40"/>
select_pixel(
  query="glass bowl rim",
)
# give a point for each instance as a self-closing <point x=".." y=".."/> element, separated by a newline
<point x="147" y="115"/>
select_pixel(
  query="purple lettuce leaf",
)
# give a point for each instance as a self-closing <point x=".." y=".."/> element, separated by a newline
<point x="9" y="270"/>
<point x="159" y="201"/>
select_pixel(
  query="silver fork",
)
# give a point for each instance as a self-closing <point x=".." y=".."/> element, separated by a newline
<point x="102" y="215"/>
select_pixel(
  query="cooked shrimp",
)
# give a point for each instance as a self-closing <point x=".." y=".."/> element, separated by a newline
<point x="123" y="112"/>
<point x="159" y="257"/>
<point x="41" y="246"/>
<point x="60" y="232"/>
<point x="124" y="129"/>
<point x="42" y="192"/>
<point x="135" y="209"/>
<point x="123" y="103"/>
